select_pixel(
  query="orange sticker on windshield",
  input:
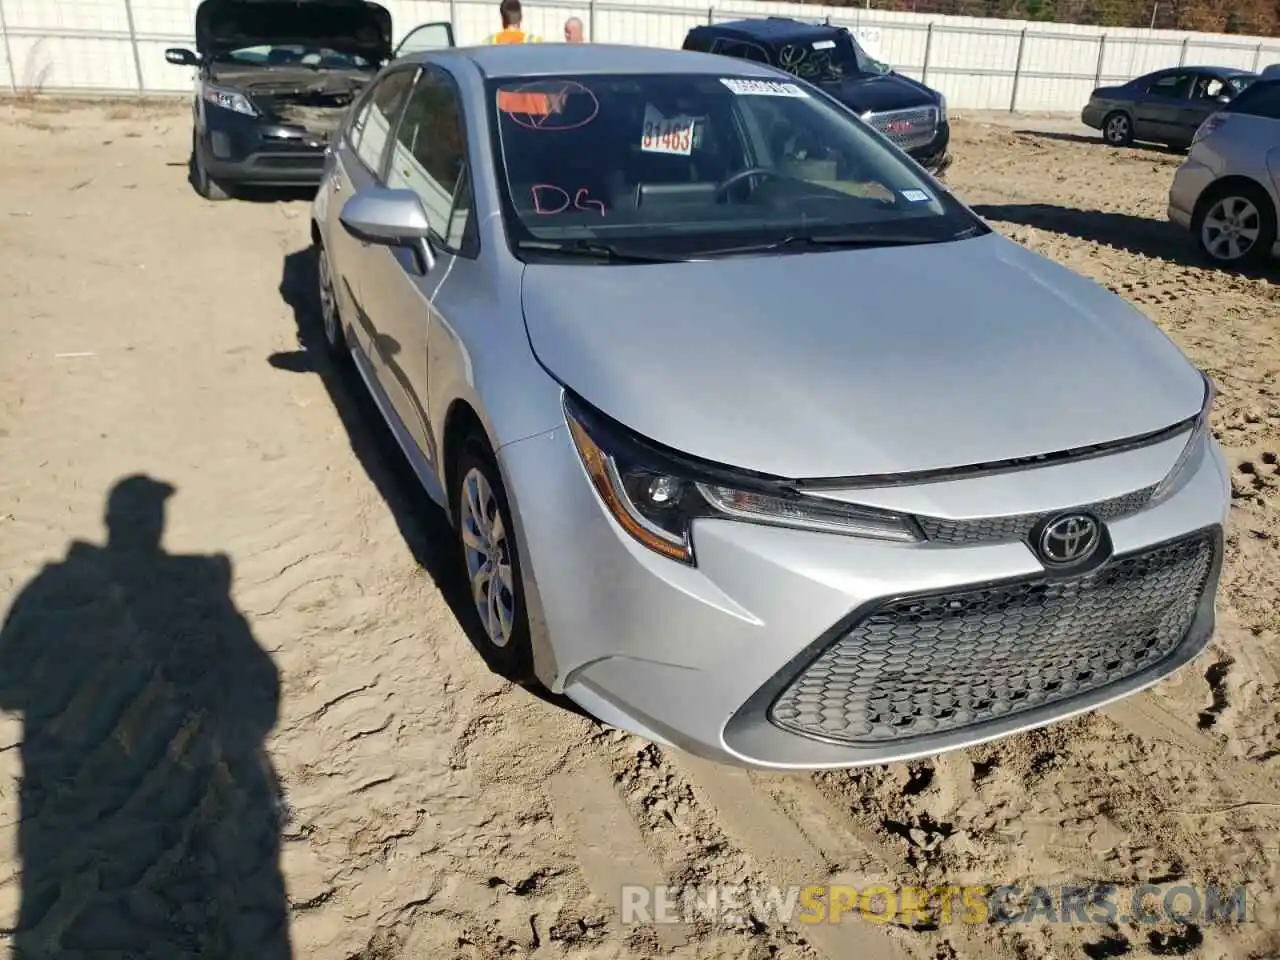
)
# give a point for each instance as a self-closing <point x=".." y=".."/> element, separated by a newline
<point x="530" y="104"/>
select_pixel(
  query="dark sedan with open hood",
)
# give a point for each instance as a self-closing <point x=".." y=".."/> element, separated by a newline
<point x="911" y="115"/>
<point x="275" y="78"/>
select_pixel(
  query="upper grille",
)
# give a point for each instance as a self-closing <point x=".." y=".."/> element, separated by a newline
<point x="1018" y="526"/>
<point x="927" y="665"/>
<point x="910" y="128"/>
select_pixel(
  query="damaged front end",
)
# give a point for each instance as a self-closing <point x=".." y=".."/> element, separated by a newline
<point x="315" y="103"/>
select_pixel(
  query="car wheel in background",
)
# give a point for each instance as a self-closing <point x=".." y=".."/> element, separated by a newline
<point x="482" y="518"/>
<point x="1235" y="224"/>
<point x="335" y="338"/>
<point x="204" y="185"/>
<point x="1117" y="129"/>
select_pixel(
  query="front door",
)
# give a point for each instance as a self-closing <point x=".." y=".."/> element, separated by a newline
<point x="1209" y="94"/>
<point x="429" y="157"/>
<point x="427" y="36"/>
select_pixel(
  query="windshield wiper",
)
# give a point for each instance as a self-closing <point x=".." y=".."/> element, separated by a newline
<point x="830" y="241"/>
<point x="595" y="251"/>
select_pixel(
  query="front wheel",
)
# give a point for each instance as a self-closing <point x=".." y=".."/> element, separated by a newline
<point x="204" y="184"/>
<point x="1117" y="129"/>
<point x="335" y="338"/>
<point x="486" y="535"/>
<point x="1235" y="225"/>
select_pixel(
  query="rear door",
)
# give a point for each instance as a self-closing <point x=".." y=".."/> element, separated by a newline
<point x="428" y="36"/>
<point x="360" y="158"/>
<point x="1158" y="112"/>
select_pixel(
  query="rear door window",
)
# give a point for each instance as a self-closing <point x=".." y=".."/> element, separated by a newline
<point x="741" y="50"/>
<point x="1172" y="86"/>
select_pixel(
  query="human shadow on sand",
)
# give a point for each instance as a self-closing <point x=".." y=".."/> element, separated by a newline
<point x="150" y="811"/>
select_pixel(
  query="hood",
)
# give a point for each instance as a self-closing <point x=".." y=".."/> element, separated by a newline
<point x="880" y="92"/>
<point x="874" y="361"/>
<point x="348" y="26"/>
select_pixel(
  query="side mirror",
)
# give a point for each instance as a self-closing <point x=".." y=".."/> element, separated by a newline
<point x="1223" y="98"/>
<point x="181" y="58"/>
<point x="390" y="218"/>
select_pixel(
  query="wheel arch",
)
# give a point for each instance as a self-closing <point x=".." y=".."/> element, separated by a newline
<point x="1223" y="185"/>
<point x="460" y="422"/>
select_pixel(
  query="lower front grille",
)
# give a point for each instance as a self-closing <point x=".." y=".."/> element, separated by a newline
<point x="301" y="161"/>
<point x="909" y="129"/>
<point x="931" y="664"/>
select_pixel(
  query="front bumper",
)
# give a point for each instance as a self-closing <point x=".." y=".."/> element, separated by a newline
<point x="249" y="150"/>
<point x="697" y="657"/>
<point x="933" y="156"/>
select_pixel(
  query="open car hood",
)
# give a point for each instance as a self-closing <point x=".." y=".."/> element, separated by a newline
<point x="347" y="26"/>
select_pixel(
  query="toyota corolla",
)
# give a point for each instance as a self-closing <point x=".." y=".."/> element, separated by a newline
<point x="756" y="441"/>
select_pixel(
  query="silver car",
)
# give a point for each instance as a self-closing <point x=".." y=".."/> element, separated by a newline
<point x="1227" y="191"/>
<point x="756" y="441"/>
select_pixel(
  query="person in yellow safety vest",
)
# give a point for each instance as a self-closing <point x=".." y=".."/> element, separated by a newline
<point x="511" y="31"/>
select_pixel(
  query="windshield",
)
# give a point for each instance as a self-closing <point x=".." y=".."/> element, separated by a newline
<point x="691" y="161"/>
<point x="829" y="60"/>
<point x="294" y="55"/>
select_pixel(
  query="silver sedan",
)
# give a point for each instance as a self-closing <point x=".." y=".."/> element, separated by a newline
<point x="756" y="441"/>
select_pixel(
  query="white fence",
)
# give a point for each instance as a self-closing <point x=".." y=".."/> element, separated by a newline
<point x="117" y="46"/>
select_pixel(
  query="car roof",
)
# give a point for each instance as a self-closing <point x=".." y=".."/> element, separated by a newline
<point x="548" y="59"/>
<point x="1192" y="68"/>
<point x="772" y="29"/>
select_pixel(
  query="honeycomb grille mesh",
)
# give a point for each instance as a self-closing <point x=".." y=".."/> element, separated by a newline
<point x="909" y="128"/>
<point x="928" y="665"/>
<point x="1018" y="526"/>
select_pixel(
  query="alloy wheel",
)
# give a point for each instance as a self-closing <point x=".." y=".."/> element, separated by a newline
<point x="486" y="543"/>
<point x="1230" y="229"/>
<point x="1118" y="128"/>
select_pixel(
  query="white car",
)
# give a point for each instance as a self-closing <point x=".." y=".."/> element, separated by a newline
<point x="1227" y="191"/>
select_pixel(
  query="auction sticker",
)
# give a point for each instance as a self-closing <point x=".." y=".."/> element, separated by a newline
<point x="666" y="134"/>
<point x="824" y="44"/>
<point x="763" y="88"/>
<point x="915" y="196"/>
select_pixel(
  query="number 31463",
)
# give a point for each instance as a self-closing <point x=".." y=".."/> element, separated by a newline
<point x="668" y="136"/>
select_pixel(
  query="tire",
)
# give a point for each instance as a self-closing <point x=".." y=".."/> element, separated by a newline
<point x="204" y="184"/>
<point x="1235" y="211"/>
<point x="477" y="490"/>
<point x="335" y="336"/>
<point x="1117" y="129"/>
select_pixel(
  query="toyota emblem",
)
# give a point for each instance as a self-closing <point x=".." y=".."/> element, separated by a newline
<point x="1070" y="539"/>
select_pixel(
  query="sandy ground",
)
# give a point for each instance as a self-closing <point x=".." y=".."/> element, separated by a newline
<point x="408" y="803"/>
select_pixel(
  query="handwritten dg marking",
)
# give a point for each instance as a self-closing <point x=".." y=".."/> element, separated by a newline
<point x="548" y="199"/>
<point x="549" y="105"/>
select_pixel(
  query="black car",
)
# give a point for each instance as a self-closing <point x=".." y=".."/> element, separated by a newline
<point x="275" y="78"/>
<point x="1166" y="106"/>
<point x="910" y="114"/>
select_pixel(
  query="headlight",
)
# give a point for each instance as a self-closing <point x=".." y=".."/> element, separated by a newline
<point x="655" y="495"/>
<point x="942" y="108"/>
<point x="1194" y="444"/>
<point x="232" y="100"/>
